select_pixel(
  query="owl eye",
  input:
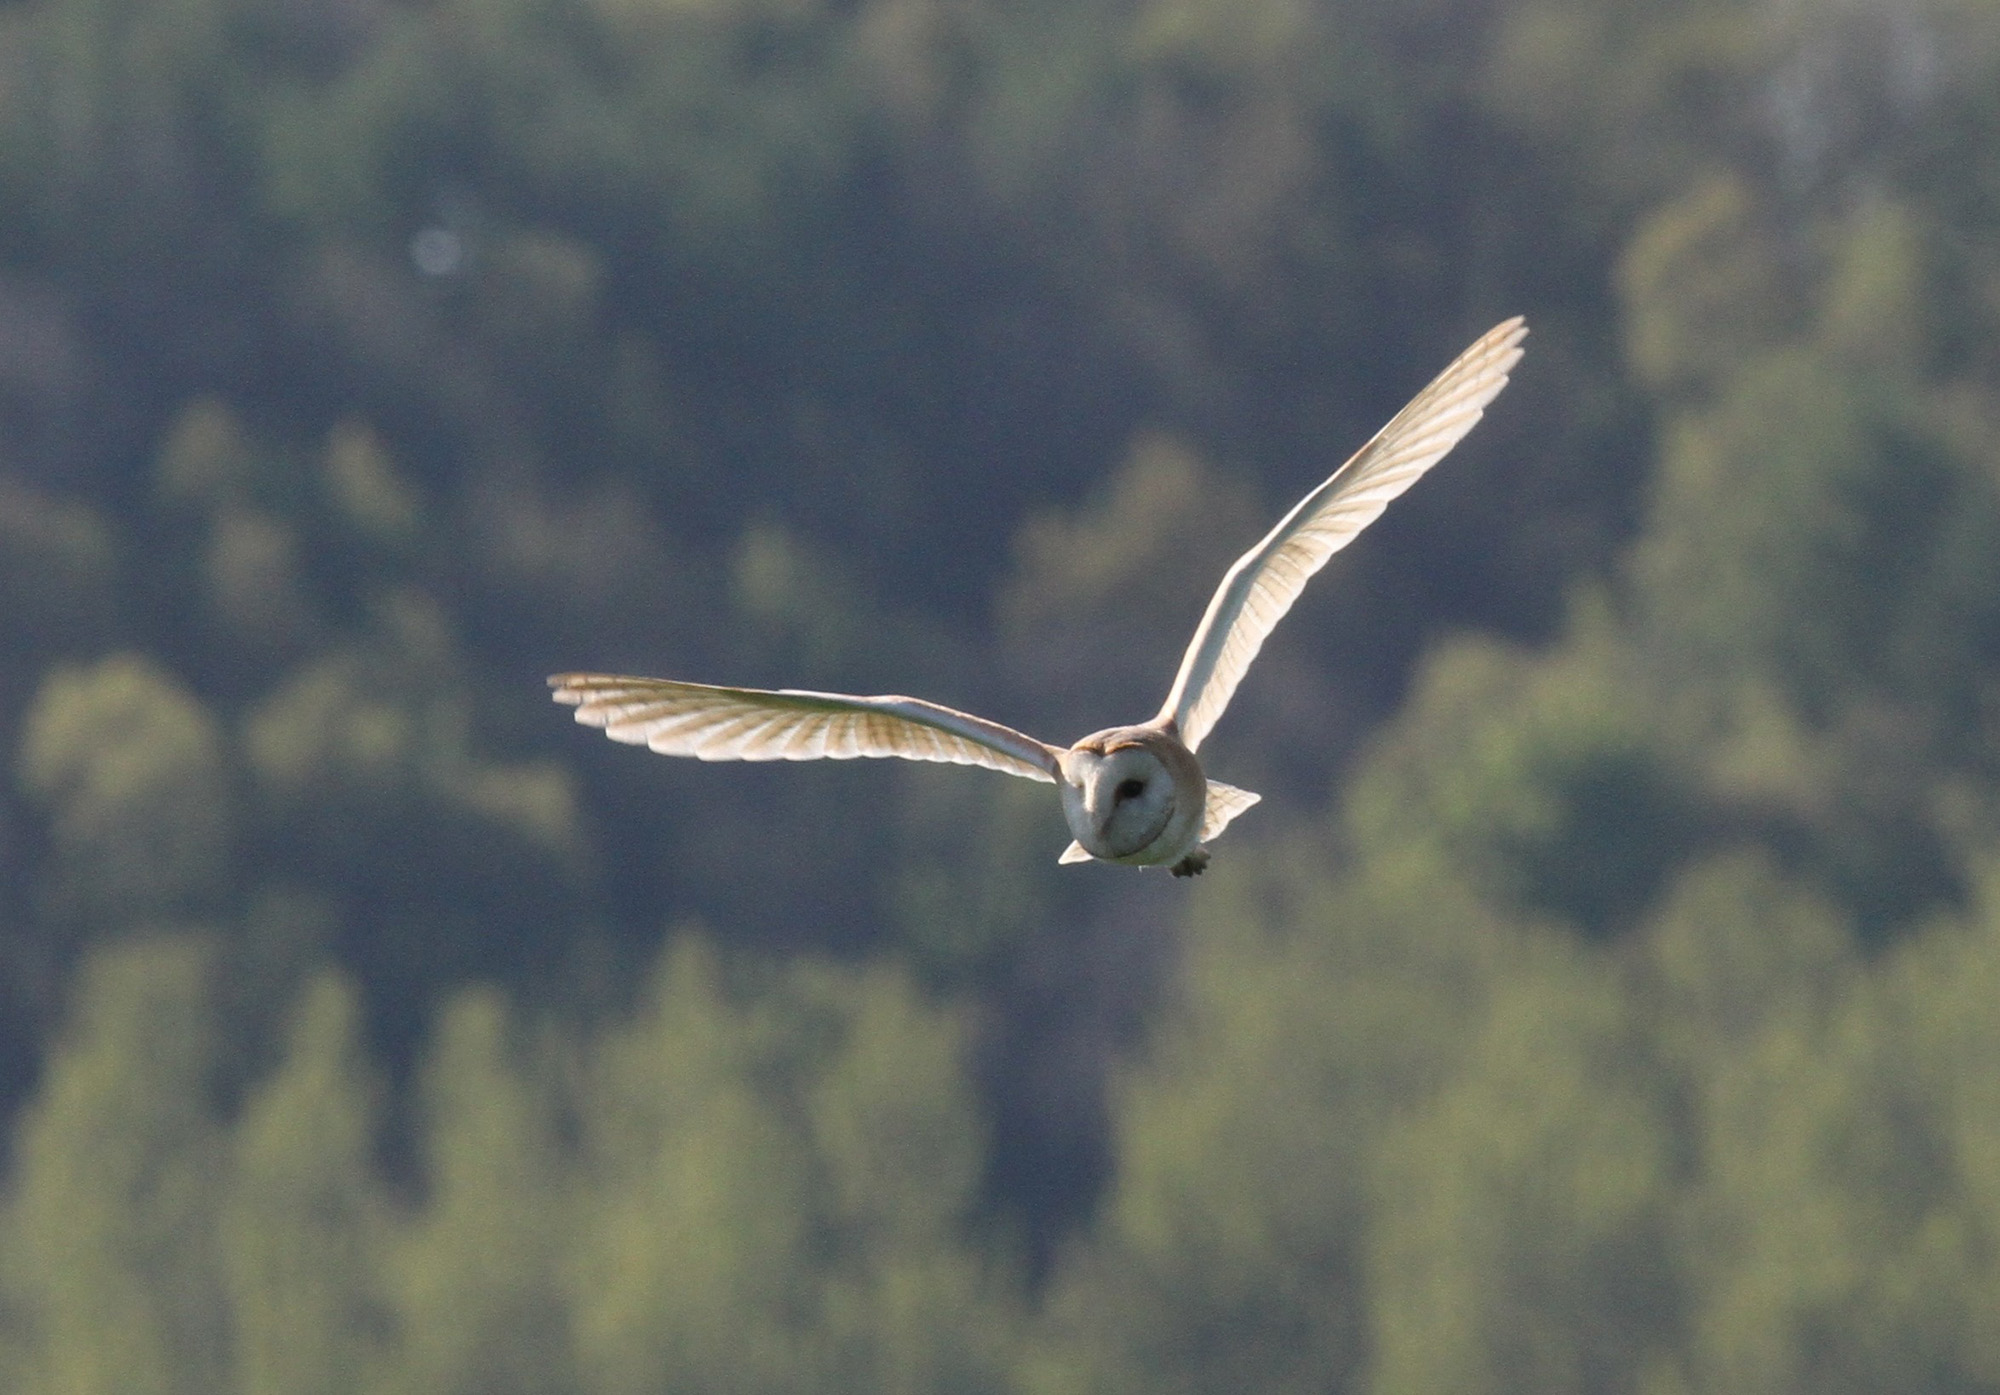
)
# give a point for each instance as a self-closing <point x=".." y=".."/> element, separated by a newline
<point x="1129" y="789"/>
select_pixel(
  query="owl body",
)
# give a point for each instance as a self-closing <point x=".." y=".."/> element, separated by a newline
<point x="1135" y="795"/>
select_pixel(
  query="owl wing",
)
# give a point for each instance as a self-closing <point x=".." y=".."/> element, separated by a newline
<point x="1260" y="588"/>
<point x="710" y="723"/>
<point x="1225" y="802"/>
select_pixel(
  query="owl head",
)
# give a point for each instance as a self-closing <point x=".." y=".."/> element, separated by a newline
<point x="1128" y="799"/>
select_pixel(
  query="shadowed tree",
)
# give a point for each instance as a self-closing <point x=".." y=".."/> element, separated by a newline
<point x="110" y="1265"/>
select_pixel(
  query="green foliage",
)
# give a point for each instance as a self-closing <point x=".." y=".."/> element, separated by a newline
<point x="472" y="1276"/>
<point x="1709" y="283"/>
<point x="110" y="1261"/>
<point x="1542" y="782"/>
<point x="1837" y="558"/>
<point x="1231" y="1254"/>
<point x="366" y="487"/>
<point x="1101" y="602"/>
<point x="764" y="1186"/>
<point x="1828" y="1242"/>
<point x="1392" y="1143"/>
<point x="301" y="1225"/>
<point x="129" y="769"/>
<point x="1520" y="1242"/>
<point x="57" y="568"/>
<point x="808" y="1233"/>
<point x="207" y="457"/>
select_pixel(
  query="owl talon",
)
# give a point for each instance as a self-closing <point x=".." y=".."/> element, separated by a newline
<point x="1192" y="865"/>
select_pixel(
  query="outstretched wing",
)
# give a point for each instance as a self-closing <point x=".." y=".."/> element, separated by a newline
<point x="1265" y="581"/>
<point x="710" y="723"/>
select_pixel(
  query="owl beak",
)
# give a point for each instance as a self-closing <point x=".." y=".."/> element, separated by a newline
<point x="1075" y="766"/>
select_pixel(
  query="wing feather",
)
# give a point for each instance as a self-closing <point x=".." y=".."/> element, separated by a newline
<point x="1260" y="588"/>
<point x="713" y="723"/>
<point x="1225" y="802"/>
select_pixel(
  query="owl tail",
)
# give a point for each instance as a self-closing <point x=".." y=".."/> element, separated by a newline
<point x="1225" y="802"/>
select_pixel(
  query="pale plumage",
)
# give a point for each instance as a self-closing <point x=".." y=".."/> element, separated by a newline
<point x="1135" y="795"/>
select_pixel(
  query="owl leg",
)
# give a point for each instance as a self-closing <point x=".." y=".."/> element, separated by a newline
<point x="1192" y="865"/>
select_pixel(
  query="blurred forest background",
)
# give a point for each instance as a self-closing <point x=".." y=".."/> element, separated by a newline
<point x="1606" y="997"/>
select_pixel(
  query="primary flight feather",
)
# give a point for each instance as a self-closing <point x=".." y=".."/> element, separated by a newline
<point x="1135" y="795"/>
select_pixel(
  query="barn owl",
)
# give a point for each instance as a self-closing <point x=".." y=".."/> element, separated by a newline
<point x="1135" y="795"/>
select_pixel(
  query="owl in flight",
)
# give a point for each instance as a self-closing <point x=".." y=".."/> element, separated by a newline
<point x="1137" y="794"/>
